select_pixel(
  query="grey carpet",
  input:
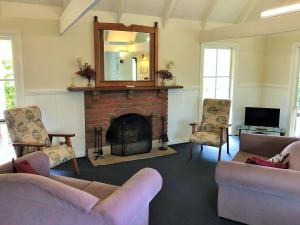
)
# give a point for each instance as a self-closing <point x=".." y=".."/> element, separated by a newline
<point x="189" y="193"/>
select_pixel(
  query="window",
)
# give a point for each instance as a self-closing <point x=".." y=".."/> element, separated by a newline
<point x="217" y="73"/>
<point x="7" y="78"/>
<point x="7" y="95"/>
<point x="297" y="119"/>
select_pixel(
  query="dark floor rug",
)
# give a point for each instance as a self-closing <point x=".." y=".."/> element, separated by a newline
<point x="189" y="193"/>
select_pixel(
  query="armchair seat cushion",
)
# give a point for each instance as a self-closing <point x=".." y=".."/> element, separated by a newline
<point x="59" y="154"/>
<point x="206" y="138"/>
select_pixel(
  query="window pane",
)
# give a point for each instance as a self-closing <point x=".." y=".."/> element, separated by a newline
<point x="209" y="85"/>
<point x="6" y="60"/>
<point x="224" y="62"/>
<point x="298" y="94"/>
<point x="7" y="152"/>
<point x="209" y="62"/>
<point x="7" y="96"/>
<point x="223" y="85"/>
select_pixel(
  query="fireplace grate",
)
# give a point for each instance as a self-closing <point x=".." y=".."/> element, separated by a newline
<point x="130" y="134"/>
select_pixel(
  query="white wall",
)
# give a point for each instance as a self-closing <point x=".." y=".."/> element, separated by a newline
<point x="279" y="76"/>
<point x="266" y="76"/>
<point x="49" y="64"/>
<point x="62" y="111"/>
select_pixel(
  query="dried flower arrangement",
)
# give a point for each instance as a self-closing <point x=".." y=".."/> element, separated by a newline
<point x="165" y="75"/>
<point x="87" y="72"/>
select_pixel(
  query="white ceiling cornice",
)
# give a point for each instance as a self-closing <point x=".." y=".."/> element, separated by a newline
<point x="73" y="12"/>
<point x="247" y="10"/>
<point x="168" y="10"/>
<point x="120" y="12"/>
<point x="208" y="13"/>
<point x="273" y="25"/>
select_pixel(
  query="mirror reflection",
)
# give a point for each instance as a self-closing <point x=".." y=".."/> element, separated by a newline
<point x="126" y="56"/>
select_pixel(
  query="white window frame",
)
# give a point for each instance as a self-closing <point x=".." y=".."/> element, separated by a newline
<point x="293" y="87"/>
<point x="234" y="70"/>
<point x="17" y="64"/>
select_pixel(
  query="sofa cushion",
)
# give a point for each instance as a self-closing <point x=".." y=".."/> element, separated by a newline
<point x="73" y="182"/>
<point x="267" y="163"/>
<point x="293" y="150"/>
<point x="23" y="167"/>
<point x="243" y="156"/>
<point x="100" y="190"/>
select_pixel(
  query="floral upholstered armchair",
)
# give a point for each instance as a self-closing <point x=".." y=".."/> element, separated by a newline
<point x="213" y="130"/>
<point x="28" y="134"/>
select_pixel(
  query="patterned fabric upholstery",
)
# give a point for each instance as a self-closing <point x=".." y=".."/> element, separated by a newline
<point x="206" y="138"/>
<point x="25" y="126"/>
<point x="59" y="154"/>
<point x="215" y="115"/>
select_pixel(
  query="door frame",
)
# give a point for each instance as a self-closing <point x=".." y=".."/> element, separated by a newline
<point x="234" y="73"/>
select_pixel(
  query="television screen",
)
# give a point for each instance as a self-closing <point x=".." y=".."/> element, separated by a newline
<point x="265" y="117"/>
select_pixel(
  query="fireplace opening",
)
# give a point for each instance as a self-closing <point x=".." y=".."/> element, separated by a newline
<point x="130" y="134"/>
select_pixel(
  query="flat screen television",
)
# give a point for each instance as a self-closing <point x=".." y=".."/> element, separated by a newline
<point x="265" y="117"/>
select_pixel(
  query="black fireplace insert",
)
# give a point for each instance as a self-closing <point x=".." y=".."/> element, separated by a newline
<point x="130" y="134"/>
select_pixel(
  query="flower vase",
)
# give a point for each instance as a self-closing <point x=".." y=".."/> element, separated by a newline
<point x="89" y="84"/>
<point x="163" y="83"/>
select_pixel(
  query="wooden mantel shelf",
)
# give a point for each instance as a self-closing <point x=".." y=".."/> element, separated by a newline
<point x="130" y="90"/>
<point x="99" y="89"/>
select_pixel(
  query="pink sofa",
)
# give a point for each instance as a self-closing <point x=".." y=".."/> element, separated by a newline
<point x="259" y="195"/>
<point x="50" y="200"/>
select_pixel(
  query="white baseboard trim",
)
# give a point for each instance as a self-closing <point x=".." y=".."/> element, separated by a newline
<point x="178" y="141"/>
<point x="81" y="154"/>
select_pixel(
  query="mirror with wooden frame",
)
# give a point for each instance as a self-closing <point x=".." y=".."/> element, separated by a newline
<point x="125" y="55"/>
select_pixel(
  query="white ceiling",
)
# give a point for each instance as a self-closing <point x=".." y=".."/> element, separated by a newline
<point x="227" y="11"/>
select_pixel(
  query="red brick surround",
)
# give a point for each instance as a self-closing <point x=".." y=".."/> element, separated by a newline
<point x="101" y="108"/>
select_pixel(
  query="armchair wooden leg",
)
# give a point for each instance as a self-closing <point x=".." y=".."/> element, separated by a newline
<point x="228" y="147"/>
<point x="191" y="151"/>
<point x="220" y="151"/>
<point x="75" y="166"/>
<point x="227" y="137"/>
<point x="74" y="162"/>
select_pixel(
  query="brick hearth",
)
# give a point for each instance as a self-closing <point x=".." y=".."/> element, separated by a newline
<point x="100" y="109"/>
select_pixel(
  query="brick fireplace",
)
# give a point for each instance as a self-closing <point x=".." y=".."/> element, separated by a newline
<point x="101" y="108"/>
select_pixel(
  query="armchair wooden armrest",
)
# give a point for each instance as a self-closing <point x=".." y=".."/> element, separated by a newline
<point x="225" y="126"/>
<point x="20" y="146"/>
<point x="60" y="135"/>
<point x="28" y="144"/>
<point x="66" y="136"/>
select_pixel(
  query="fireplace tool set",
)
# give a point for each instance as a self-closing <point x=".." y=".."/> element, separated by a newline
<point x="164" y="136"/>
<point x="98" y="151"/>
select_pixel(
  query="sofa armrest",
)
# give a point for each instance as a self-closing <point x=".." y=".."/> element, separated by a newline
<point x="44" y="190"/>
<point x="264" y="145"/>
<point x="122" y="206"/>
<point x="38" y="160"/>
<point x="280" y="182"/>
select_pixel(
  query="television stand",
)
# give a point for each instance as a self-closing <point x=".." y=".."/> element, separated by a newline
<point x="261" y="130"/>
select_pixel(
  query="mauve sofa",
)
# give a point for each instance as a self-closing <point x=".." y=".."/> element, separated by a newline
<point x="260" y="195"/>
<point x="55" y="200"/>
